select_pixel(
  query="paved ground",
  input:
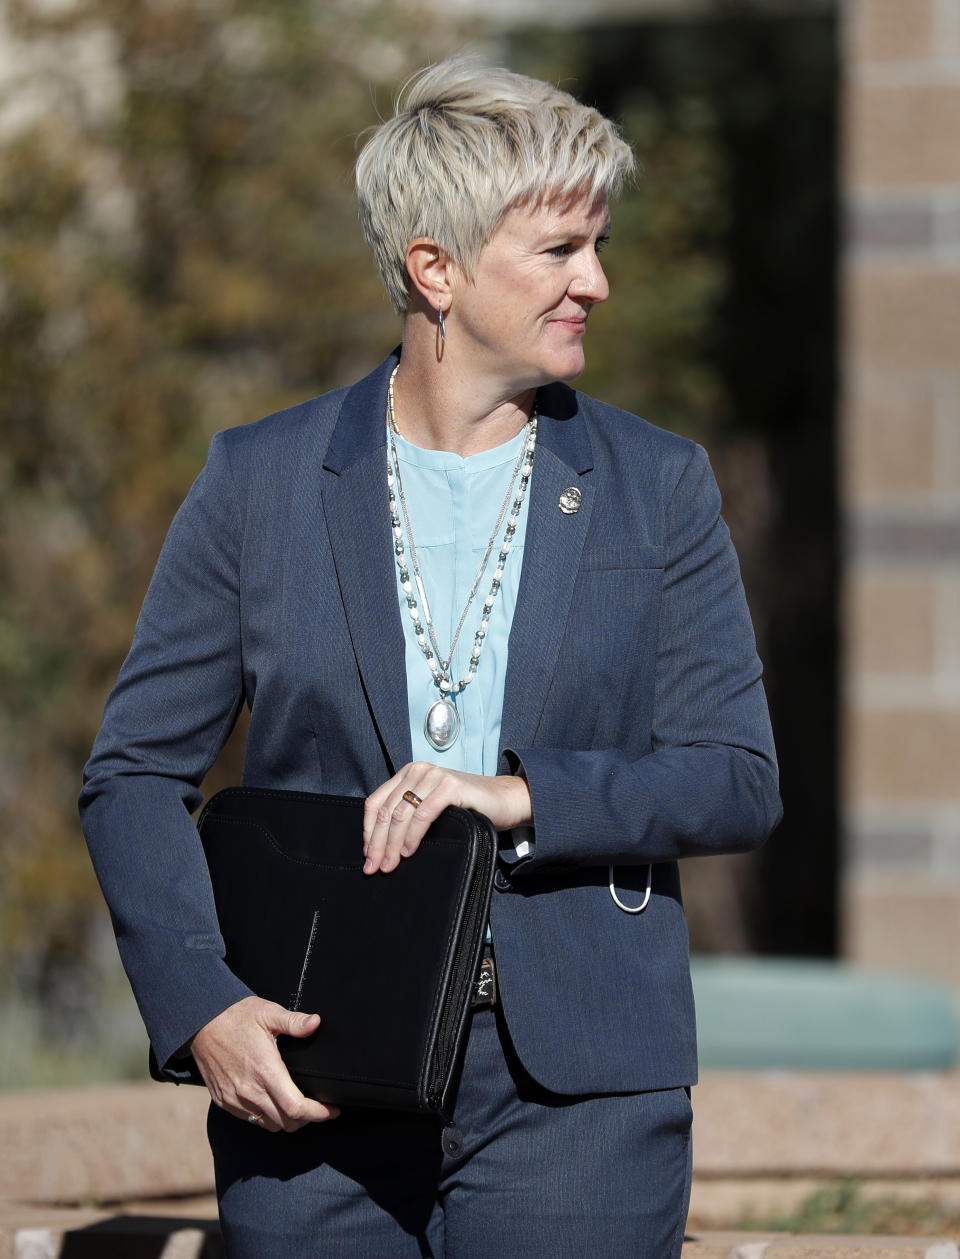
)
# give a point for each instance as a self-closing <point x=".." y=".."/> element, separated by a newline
<point x="778" y="1246"/>
<point x="153" y="1231"/>
<point x="764" y="1141"/>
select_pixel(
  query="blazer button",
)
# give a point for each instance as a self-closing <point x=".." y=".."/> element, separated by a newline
<point x="500" y="881"/>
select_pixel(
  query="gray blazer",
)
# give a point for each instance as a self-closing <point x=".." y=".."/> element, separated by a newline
<point x="633" y="706"/>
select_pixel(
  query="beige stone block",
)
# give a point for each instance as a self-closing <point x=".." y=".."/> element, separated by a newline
<point x="948" y="28"/>
<point x="905" y="754"/>
<point x="948" y="435"/>
<point x="766" y="1245"/>
<point x="105" y="1143"/>
<point x="890" y="624"/>
<point x="893" y="30"/>
<point x="813" y="1123"/>
<point x="902" y="133"/>
<point x="904" y="318"/>
<point x="948" y="626"/>
<point x="890" y="445"/>
<point x="904" y="925"/>
<point x="832" y="1246"/>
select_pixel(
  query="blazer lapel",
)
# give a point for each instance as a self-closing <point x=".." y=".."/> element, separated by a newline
<point x="551" y="557"/>
<point x="358" y="525"/>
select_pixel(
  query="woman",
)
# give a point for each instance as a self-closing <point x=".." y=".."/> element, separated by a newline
<point x="456" y="582"/>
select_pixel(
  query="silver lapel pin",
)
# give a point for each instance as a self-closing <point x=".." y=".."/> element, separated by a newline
<point x="570" y="501"/>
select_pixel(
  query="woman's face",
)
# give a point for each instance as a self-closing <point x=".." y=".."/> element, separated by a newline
<point x="523" y="316"/>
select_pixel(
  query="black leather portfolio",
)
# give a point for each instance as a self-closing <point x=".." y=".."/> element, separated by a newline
<point x="387" y="960"/>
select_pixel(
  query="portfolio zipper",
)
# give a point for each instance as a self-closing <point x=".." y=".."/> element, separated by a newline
<point x="451" y="1139"/>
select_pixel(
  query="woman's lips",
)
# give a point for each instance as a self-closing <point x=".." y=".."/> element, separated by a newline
<point x="575" y="323"/>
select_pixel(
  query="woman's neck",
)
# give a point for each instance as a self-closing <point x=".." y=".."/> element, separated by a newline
<point x="445" y="406"/>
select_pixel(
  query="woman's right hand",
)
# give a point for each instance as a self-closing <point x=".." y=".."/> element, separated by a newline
<point x="238" y="1058"/>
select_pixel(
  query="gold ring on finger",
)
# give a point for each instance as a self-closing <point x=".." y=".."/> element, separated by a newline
<point x="411" y="797"/>
<point x="253" y="1117"/>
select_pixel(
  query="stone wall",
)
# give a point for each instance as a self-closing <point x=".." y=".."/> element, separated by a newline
<point x="124" y="1172"/>
<point x="900" y="458"/>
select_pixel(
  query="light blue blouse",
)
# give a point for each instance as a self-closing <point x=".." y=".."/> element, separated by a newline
<point x="453" y="504"/>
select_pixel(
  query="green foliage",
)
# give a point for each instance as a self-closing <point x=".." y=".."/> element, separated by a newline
<point x="179" y="252"/>
<point x="33" y="1056"/>
<point x="844" y="1207"/>
<point x="665" y="260"/>
<point x="667" y="272"/>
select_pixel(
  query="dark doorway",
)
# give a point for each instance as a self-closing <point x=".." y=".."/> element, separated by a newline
<point x="766" y="337"/>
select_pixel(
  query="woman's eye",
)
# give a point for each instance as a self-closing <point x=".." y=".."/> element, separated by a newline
<point x="570" y="247"/>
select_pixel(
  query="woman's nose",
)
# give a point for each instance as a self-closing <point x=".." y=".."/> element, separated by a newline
<point x="590" y="283"/>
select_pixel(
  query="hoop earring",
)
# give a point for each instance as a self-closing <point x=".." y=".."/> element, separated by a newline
<point x="443" y="325"/>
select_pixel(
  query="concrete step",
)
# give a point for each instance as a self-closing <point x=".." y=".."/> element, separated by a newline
<point x="727" y="1202"/>
<point x="105" y="1143"/>
<point x="135" y="1141"/>
<point x="794" y="1123"/>
<point x="141" y="1151"/>
<point x="163" y="1231"/>
<point x="781" y="1246"/>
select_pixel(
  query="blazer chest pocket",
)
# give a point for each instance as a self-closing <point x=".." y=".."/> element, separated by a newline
<point x="614" y="622"/>
<point x="620" y="558"/>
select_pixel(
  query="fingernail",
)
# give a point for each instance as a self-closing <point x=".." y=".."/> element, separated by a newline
<point x="368" y="866"/>
<point x="404" y="851"/>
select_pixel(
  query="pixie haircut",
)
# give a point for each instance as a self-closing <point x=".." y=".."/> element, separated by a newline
<point x="467" y="143"/>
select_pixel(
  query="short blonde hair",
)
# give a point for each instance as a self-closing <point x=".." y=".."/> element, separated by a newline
<point x="466" y="144"/>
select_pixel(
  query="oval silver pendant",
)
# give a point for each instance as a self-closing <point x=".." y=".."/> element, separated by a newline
<point x="441" y="725"/>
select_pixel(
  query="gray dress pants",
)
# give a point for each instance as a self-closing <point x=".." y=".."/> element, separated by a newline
<point x="541" y="1176"/>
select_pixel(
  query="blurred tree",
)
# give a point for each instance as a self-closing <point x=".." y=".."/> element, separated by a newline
<point x="648" y="346"/>
<point x="179" y="252"/>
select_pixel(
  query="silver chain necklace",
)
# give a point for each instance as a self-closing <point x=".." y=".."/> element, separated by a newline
<point x="441" y="725"/>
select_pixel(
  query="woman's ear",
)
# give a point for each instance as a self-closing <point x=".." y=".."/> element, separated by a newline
<point x="430" y="270"/>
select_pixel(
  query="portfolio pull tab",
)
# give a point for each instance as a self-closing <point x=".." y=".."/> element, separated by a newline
<point x="451" y="1140"/>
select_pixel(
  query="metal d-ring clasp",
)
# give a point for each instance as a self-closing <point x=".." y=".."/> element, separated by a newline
<point x="631" y="909"/>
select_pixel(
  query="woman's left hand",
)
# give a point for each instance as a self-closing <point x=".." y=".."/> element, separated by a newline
<point x="393" y="826"/>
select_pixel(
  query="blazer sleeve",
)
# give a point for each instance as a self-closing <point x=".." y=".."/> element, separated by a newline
<point x="168" y="716"/>
<point x="709" y="783"/>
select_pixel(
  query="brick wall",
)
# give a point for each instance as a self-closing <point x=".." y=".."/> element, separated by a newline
<point x="900" y="454"/>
